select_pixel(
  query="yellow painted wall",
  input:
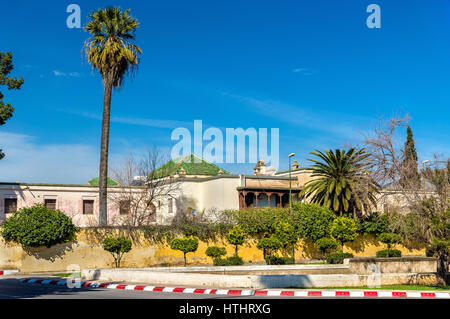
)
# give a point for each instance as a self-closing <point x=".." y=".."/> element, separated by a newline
<point x="87" y="252"/>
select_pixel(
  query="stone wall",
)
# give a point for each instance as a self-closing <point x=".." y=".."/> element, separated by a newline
<point x="87" y="252"/>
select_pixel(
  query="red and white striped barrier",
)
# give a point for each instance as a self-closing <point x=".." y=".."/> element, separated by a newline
<point x="260" y="293"/>
<point x="8" y="272"/>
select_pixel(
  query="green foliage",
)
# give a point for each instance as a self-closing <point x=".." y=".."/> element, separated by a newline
<point x="109" y="49"/>
<point x="269" y="245"/>
<point x="6" y="66"/>
<point x="230" y="261"/>
<point x="389" y="239"/>
<point x="258" y="222"/>
<point x="216" y="252"/>
<point x="285" y="233"/>
<point x="236" y="236"/>
<point x="39" y="226"/>
<point x="338" y="258"/>
<point x="275" y="260"/>
<point x="440" y="246"/>
<point x="313" y="221"/>
<point x="186" y="245"/>
<point x="163" y="234"/>
<point x="326" y="244"/>
<point x="344" y="229"/>
<point x="117" y="247"/>
<point x="374" y="224"/>
<point x="385" y="253"/>
<point x="338" y="175"/>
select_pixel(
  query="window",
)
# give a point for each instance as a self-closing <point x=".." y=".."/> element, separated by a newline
<point x="88" y="207"/>
<point x="50" y="203"/>
<point x="125" y="207"/>
<point x="10" y="205"/>
<point x="170" y="206"/>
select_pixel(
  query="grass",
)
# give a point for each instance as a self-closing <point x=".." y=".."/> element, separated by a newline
<point x="76" y="274"/>
<point x="398" y="287"/>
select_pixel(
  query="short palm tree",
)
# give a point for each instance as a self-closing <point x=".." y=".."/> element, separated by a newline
<point x="342" y="181"/>
<point x="110" y="51"/>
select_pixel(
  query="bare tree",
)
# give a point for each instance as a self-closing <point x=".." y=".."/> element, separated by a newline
<point x="143" y="187"/>
<point x="425" y="199"/>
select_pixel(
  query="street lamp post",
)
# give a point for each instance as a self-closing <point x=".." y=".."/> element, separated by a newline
<point x="290" y="202"/>
<point x="290" y="188"/>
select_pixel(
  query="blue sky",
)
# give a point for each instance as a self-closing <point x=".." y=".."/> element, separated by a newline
<point x="310" y="68"/>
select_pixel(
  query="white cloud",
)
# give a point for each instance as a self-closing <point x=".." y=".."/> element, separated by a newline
<point x="71" y="74"/>
<point x="303" y="71"/>
<point x="27" y="160"/>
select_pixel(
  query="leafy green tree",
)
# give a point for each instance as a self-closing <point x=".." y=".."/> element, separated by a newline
<point x="215" y="252"/>
<point x="342" y="181"/>
<point x="326" y="245"/>
<point x="186" y="245"/>
<point x="269" y="245"/>
<point x="117" y="247"/>
<point x="344" y="229"/>
<point x="6" y="66"/>
<point x="313" y="221"/>
<point x="236" y="236"/>
<point x="37" y="226"/>
<point x="111" y="52"/>
<point x="287" y="235"/>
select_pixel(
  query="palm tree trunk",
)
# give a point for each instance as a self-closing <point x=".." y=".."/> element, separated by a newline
<point x="103" y="174"/>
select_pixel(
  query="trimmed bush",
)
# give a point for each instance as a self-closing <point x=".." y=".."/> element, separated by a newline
<point x="230" y="261"/>
<point x="326" y="245"/>
<point x="389" y="239"/>
<point x="215" y="252"/>
<point x="385" y="253"/>
<point x="269" y="245"/>
<point x="117" y="247"/>
<point x="37" y="226"/>
<point x="236" y="236"/>
<point x="338" y="258"/>
<point x="186" y="245"/>
<point x="275" y="260"/>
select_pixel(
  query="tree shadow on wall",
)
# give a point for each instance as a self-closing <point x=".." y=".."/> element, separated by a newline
<point x="51" y="253"/>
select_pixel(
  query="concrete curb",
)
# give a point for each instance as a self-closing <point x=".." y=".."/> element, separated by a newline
<point x="8" y="272"/>
<point x="261" y="293"/>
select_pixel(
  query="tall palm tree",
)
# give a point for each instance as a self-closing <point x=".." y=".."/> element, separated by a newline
<point x="110" y="51"/>
<point x="342" y="181"/>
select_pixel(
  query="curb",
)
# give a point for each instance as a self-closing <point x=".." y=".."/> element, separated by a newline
<point x="8" y="272"/>
<point x="261" y="293"/>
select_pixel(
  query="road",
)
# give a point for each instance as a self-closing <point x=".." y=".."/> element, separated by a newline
<point x="12" y="288"/>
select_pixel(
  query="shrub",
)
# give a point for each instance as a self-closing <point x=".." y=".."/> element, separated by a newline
<point x="314" y="221"/>
<point x="326" y="245"/>
<point x="236" y="236"/>
<point x="117" y="247"/>
<point x="216" y="252"/>
<point x="429" y="251"/>
<point x="39" y="226"/>
<point x="258" y="222"/>
<point x="269" y="245"/>
<point x="385" y="253"/>
<point x="230" y="261"/>
<point x="186" y="245"/>
<point x="275" y="260"/>
<point x="389" y="239"/>
<point x="287" y="235"/>
<point x="344" y="230"/>
<point x="338" y="258"/>
<point x="374" y="224"/>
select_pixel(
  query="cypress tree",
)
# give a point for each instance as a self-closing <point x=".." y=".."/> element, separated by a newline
<point x="410" y="172"/>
